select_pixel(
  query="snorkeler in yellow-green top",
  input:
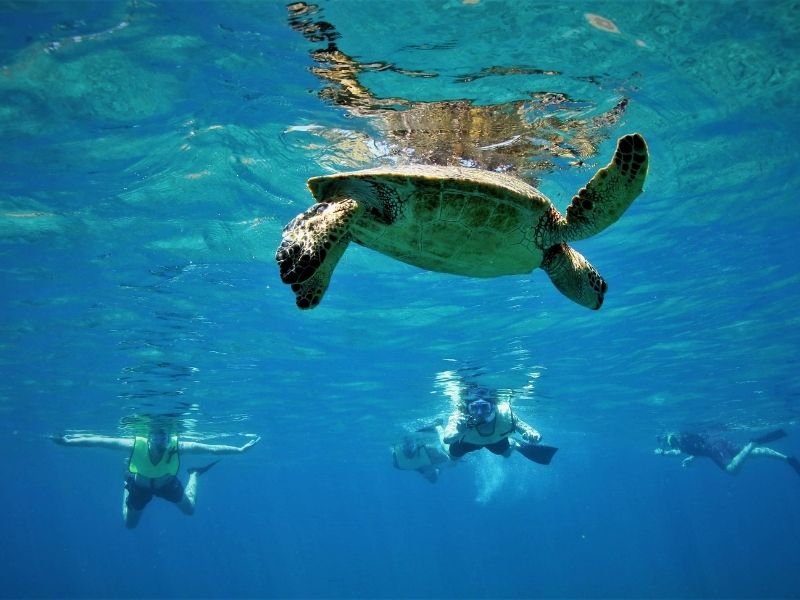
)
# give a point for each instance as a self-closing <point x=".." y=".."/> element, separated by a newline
<point x="482" y="420"/>
<point x="153" y="467"/>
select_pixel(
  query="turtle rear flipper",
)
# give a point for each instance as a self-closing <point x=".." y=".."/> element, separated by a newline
<point x="574" y="276"/>
<point x="312" y="244"/>
<point x="610" y="192"/>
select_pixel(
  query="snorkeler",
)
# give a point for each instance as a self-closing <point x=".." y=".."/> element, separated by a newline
<point x="153" y="467"/>
<point x="727" y="455"/>
<point x="481" y="421"/>
<point x="423" y="452"/>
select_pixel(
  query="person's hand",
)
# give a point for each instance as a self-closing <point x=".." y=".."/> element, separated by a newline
<point x="658" y="451"/>
<point x="250" y="444"/>
<point x="532" y="437"/>
<point x="61" y="440"/>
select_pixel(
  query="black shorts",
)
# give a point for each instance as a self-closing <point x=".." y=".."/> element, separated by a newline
<point x="139" y="496"/>
<point x="459" y="449"/>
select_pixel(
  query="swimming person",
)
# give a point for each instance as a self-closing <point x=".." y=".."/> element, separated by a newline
<point x="481" y="421"/>
<point x="727" y="455"/>
<point x="153" y="467"/>
<point x="421" y="451"/>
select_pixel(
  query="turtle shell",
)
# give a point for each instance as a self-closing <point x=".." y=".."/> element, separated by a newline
<point x="448" y="219"/>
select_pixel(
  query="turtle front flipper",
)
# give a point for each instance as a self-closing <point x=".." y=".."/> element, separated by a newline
<point x="610" y="192"/>
<point x="312" y="244"/>
<point x="309" y="293"/>
<point x="574" y="276"/>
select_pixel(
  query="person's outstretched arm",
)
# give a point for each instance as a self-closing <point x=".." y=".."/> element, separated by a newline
<point x="456" y="425"/>
<point x="201" y="448"/>
<point x="90" y="440"/>
<point x="528" y="433"/>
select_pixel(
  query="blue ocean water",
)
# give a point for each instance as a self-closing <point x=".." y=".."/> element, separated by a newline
<point x="152" y="152"/>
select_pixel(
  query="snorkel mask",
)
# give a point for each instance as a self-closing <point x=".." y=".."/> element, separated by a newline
<point x="481" y="410"/>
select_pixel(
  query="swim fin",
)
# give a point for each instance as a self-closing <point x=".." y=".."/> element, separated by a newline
<point x="537" y="453"/>
<point x="792" y="460"/>
<point x="770" y="437"/>
<point x="201" y="470"/>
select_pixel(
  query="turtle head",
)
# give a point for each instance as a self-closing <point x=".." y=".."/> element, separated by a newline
<point x="374" y="189"/>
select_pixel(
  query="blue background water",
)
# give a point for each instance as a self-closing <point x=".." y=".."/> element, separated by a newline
<point x="151" y="153"/>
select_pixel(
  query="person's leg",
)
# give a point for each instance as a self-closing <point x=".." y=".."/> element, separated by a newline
<point x="133" y="504"/>
<point x="173" y="491"/>
<point x="736" y="462"/>
<point x="189" y="497"/>
<point x="430" y="473"/>
<point x="768" y="452"/>
<point x="130" y="515"/>
<point x="440" y="433"/>
<point x="459" y="449"/>
<point x="752" y="450"/>
<point x="503" y="448"/>
<point x="512" y="446"/>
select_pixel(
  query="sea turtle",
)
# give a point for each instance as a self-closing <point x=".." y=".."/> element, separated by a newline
<point x="458" y="220"/>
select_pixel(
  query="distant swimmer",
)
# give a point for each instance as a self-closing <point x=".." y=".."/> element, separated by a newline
<point x="726" y="454"/>
<point x="421" y="451"/>
<point x="153" y="467"/>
